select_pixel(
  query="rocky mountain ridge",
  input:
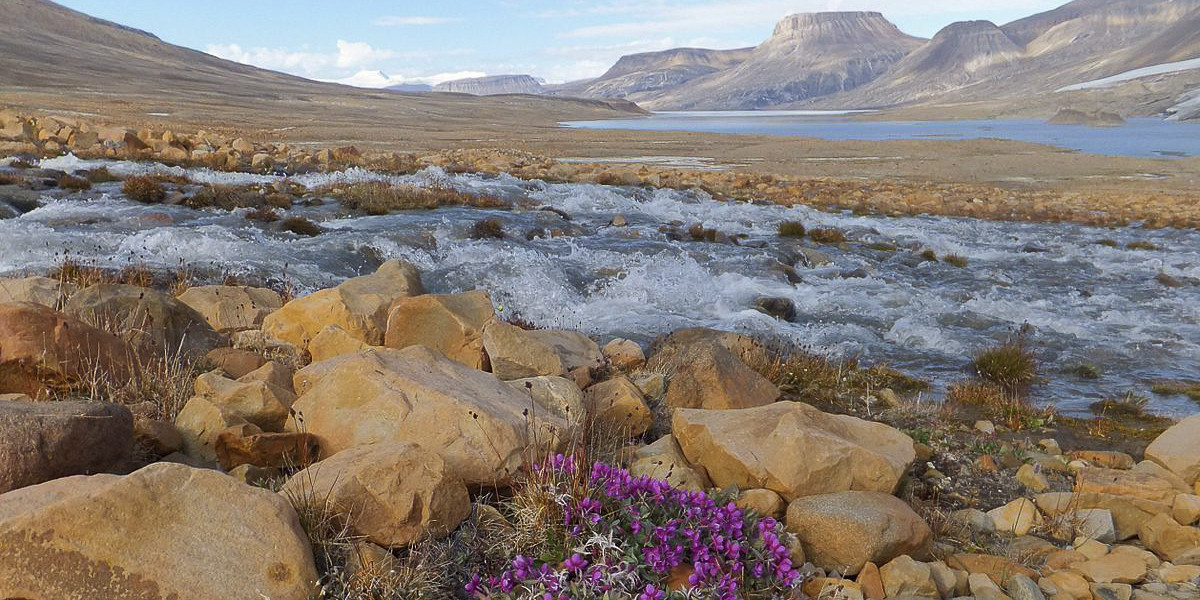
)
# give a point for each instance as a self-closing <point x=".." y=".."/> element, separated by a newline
<point x="492" y="85"/>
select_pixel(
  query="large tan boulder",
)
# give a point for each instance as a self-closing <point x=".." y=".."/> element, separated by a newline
<point x="165" y="531"/>
<point x="156" y="322"/>
<point x="41" y="349"/>
<point x="40" y="441"/>
<point x="517" y="353"/>
<point x="664" y="460"/>
<point x="481" y="426"/>
<point x="708" y="369"/>
<point x="558" y="395"/>
<point x="259" y="402"/>
<point x="846" y="530"/>
<point x="39" y="290"/>
<point x="1128" y="513"/>
<point x="230" y="308"/>
<point x="1171" y="541"/>
<point x="793" y="448"/>
<point x="392" y="493"/>
<point x="449" y="323"/>
<point x="1125" y="483"/>
<point x="359" y="305"/>
<point x="1177" y="449"/>
<point x="905" y="577"/>
<point x="333" y="341"/>
<point x="199" y="423"/>
<point x="618" y="405"/>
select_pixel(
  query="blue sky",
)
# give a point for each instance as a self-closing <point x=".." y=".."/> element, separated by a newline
<point x="375" y="42"/>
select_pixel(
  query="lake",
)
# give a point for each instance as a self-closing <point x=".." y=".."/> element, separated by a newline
<point x="1143" y="136"/>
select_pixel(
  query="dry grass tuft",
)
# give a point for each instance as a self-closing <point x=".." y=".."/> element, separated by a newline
<point x="1011" y="365"/>
<point x="381" y="198"/>
<point x="1142" y="245"/>
<point x="300" y="226"/>
<point x="1174" y="387"/>
<point x="489" y="228"/>
<point x="101" y="175"/>
<point x="793" y="229"/>
<point x="955" y="259"/>
<point x="827" y="235"/>
<point x="264" y="214"/>
<point x="11" y="178"/>
<point x="73" y="183"/>
<point x="227" y="197"/>
<point x="146" y="190"/>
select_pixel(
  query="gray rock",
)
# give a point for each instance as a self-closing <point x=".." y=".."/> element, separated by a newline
<point x="41" y="441"/>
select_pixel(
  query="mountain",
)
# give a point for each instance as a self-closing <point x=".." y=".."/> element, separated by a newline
<point x="808" y="55"/>
<point x="1080" y="41"/>
<point x="411" y="87"/>
<point x="637" y="76"/>
<point x="492" y="85"/>
<point x="53" y="59"/>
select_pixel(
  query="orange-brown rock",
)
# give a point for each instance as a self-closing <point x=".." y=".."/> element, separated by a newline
<point x="618" y="404"/>
<point x="846" y="530"/>
<point x="996" y="568"/>
<point x="449" y="323"/>
<point x="1124" y="483"/>
<point x="41" y="349"/>
<point x="288" y="449"/>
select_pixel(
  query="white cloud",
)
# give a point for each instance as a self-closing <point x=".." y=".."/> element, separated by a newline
<point x="397" y="21"/>
<point x="353" y="54"/>
<point x="379" y="79"/>
<point x="348" y="55"/>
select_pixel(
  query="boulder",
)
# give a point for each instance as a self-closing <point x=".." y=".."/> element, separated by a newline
<point x="624" y="355"/>
<point x="1119" y="482"/>
<point x="617" y="404"/>
<point x="1186" y="509"/>
<point x="40" y="441"/>
<point x="763" y="502"/>
<point x="1152" y="468"/>
<point x="845" y="530"/>
<point x="229" y="308"/>
<point x="165" y="531"/>
<point x="996" y="568"/>
<point x="234" y="362"/>
<point x="159" y="438"/>
<point x="1017" y="517"/>
<point x="393" y="494"/>
<point x="1128" y="513"/>
<point x="1171" y="541"/>
<point x="157" y="323"/>
<point x="759" y="448"/>
<point x="517" y="353"/>
<point x="199" y="423"/>
<point x="1112" y="568"/>
<point x="273" y="373"/>
<point x="708" y="369"/>
<point x="39" y="290"/>
<point x="481" y="426"/>
<point x="333" y="341"/>
<point x="1177" y="450"/>
<point x="263" y="404"/>
<point x="1107" y="459"/>
<point x="904" y="576"/>
<point x="449" y="323"/>
<point x="289" y="449"/>
<point x="558" y="395"/>
<point x="41" y="350"/>
<point x="359" y="305"/>
<point x="1073" y="584"/>
<point x="664" y="460"/>
<point x="1022" y="587"/>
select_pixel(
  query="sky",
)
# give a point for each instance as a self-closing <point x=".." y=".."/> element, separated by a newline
<point x="374" y="43"/>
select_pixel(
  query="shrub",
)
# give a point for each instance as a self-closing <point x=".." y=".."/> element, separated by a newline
<point x="227" y="197"/>
<point x="955" y="259"/>
<point x="827" y="235"/>
<point x="300" y="226"/>
<point x="1141" y="245"/>
<point x="73" y="183"/>
<point x="1011" y="365"/>
<point x="792" y="229"/>
<point x="380" y="198"/>
<point x="1083" y="370"/>
<point x="489" y="228"/>
<point x="279" y="200"/>
<point x="929" y="255"/>
<point x="146" y="190"/>
<point x="603" y="533"/>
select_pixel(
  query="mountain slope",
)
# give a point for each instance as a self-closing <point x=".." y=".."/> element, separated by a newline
<point x="808" y="55"/>
<point x="492" y="85"/>
<point x="635" y="76"/>
<point x="1080" y="41"/>
<point x="53" y="58"/>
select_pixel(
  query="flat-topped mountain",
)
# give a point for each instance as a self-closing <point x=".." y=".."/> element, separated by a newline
<point x="808" y="55"/>
<point x="638" y="76"/>
<point x="492" y="85"/>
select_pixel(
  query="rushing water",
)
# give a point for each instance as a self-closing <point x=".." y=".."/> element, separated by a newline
<point x="1138" y="137"/>
<point x="1086" y="302"/>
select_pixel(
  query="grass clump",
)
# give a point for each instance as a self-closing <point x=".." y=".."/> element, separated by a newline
<point x="101" y="175"/>
<point x="792" y="229"/>
<point x="263" y="214"/>
<point x="1011" y="365"/>
<point x="955" y="259"/>
<point x="489" y="228"/>
<point x="146" y="190"/>
<point x="227" y="197"/>
<point x="1142" y="245"/>
<point x="1176" y="387"/>
<point x="1130" y="405"/>
<point x="11" y="178"/>
<point x="1111" y="243"/>
<point x="381" y="198"/>
<point x="300" y="226"/>
<point x="73" y="183"/>
<point x="882" y="246"/>
<point x="928" y="255"/>
<point x="827" y="235"/>
<point x="1083" y="370"/>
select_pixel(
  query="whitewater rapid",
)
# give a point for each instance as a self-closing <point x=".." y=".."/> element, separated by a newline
<point x="1087" y="302"/>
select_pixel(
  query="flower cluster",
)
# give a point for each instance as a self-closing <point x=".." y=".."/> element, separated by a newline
<point x="636" y="537"/>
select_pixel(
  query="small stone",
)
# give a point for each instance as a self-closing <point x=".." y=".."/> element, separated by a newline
<point x="974" y="519"/>
<point x="1112" y="568"/>
<point x="653" y="385"/>
<point x="1021" y="587"/>
<point x="1111" y="591"/>
<point x="1072" y="584"/>
<point x="1096" y="524"/>
<point x="619" y="221"/>
<point x="1017" y="517"/>
<point x="1170" y="540"/>
<point x="1050" y="445"/>
<point x="904" y="576"/>
<point x="1030" y="477"/>
<point x="1179" y="573"/>
<point x="625" y="355"/>
<point x="947" y="580"/>
<point x="1104" y="458"/>
<point x="1090" y="548"/>
<point x="870" y="582"/>
<point x="985" y="427"/>
<point x="764" y="502"/>
<point x="1061" y="559"/>
<point x="1186" y="509"/>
